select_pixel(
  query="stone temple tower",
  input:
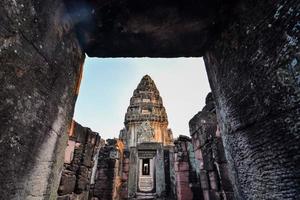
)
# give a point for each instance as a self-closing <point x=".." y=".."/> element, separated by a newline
<point x="149" y="141"/>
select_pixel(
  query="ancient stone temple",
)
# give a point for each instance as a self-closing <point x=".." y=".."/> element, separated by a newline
<point x="149" y="142"/>
<point x="251" y="53"/>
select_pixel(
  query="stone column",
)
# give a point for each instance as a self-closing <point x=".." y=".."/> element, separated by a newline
<point x="40" y="61"/>
<point x="172" y="185"/>
<point x="132" y="179"/>
<point x="182" y="169"/>
<point x="125" y="174"/>
<point x="254" y="72"/>
<point x="160" y="172"/>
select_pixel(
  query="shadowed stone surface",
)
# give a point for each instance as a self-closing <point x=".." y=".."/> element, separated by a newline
<point x="37" y="96"/>
<point x="254" y="71"/>
<point x="157" y="28"/>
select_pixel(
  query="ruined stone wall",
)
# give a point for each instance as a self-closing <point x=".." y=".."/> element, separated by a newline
<point x="252" y="62"/>
<point x="109" y="177"/>
<point x="83" y="146"/>
<point x="209" y="154"/>
<point x="183" y="168"/>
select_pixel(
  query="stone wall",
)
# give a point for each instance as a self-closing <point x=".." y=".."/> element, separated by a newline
<point x="209" y="154"/>
<point x="183" y="168"/>
<point x="109" y="177"/>
<point x="83" y="146"/>
<point x="253" y="69"/>
<point x="201" y="168"/>
<point x="125" y="174"/>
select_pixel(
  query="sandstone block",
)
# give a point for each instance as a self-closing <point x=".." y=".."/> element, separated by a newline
<point x="67" y="184"/>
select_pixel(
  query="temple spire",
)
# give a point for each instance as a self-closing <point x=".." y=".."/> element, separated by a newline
<point x="147" y="84"/>
<point x="146" y="103"/>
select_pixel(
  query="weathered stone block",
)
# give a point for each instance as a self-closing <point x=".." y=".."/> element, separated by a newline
<point x="126" y="167"/>
<point x="183" y="166"/>
<point x="208" y="160"/>
<point x="204" y="180"/>
<point x="215" y="195"/>
<point x="184" y="192"/>
<point x="67" y="184"/>
<point x="88" y="155"/>
<point x="80" y="133"/>
<point x="225" y="177"/>
<point x="182" y="177"/>
<point x="206" y="195"/>
<point x="204" y="138"/>
<point x="213" y="179"/>
<point x="218" y="150"/>
<point x="64" y="197"/>
<point x="198" y="154"/>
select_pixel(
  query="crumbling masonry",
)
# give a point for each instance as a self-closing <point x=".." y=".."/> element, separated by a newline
<point x="251" y="53"/>
<point x="194" y="168"/>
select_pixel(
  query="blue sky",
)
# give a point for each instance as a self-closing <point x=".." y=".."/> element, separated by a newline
<point x="108" y="84"/>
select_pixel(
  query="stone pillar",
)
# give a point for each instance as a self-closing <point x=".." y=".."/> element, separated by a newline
<point x="254" y="69"/>
<point x="182" y="169"/>
<point x="40" y="65"/>
<point x="125" y="175"/>
<point x="160" y="172"/>
<point x="172" y="193"/>
<point x="132" y="179"/>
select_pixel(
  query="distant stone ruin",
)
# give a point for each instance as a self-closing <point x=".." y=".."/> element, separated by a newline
<point x="145" y="162"/>
<point x="251" y="53"/>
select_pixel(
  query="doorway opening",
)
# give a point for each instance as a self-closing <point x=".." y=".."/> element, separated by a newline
<point x="146" y="167"/>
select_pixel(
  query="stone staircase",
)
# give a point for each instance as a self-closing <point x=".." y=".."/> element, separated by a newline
<point x="145" y="196"/>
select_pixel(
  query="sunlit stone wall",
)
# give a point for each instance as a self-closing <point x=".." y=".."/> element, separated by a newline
<point x="80" y="156"/>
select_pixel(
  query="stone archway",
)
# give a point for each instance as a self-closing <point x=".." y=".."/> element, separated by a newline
<point x="251" y="51"/>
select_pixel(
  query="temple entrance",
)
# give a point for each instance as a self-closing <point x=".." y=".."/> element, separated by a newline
<point x="146" y="136"/>
<point x="146" y="171"/>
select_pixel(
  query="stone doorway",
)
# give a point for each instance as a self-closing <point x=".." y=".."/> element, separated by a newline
<point x="251" y="51"/>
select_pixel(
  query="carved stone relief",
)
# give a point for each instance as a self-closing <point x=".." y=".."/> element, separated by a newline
<point x="145" y="133"/>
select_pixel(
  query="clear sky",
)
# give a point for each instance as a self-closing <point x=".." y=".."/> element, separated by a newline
<point x="108" y="84"/>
